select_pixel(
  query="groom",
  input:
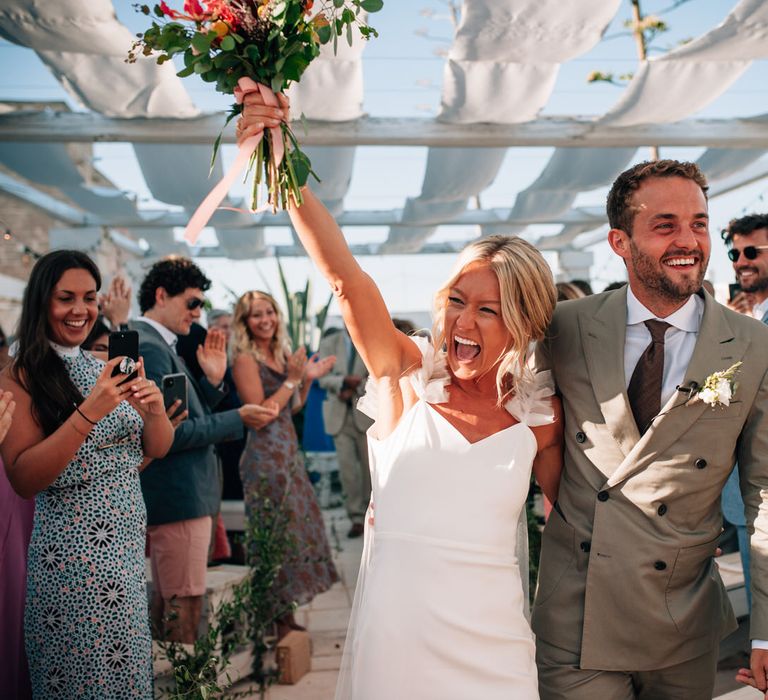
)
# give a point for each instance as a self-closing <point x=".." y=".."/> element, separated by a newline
<point x="630" y="603"/>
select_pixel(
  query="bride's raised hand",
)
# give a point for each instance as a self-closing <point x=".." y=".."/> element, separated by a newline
<point x="257" y="115"/>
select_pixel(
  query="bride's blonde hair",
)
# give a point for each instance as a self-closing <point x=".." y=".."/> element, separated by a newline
<point x="242" y="340"/>
<point x="528" y="298"/>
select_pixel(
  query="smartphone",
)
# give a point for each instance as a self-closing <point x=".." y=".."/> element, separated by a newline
<point x="733" y="289"/>
<point x="175" y="388"/>
<point x="124" y="344"/>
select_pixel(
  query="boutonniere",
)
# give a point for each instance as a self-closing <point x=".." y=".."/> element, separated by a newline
<point x="719" y="387"/>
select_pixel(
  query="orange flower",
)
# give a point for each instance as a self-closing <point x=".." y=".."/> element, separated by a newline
<point x="221" y="28"/>
<point x="308" y="6"/>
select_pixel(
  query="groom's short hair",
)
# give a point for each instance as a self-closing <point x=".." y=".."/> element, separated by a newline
<point x="621" y="213"/>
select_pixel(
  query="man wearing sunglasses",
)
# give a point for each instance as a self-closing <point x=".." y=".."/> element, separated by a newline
<point x="747" y="239"/>
<point x="182" y="490"/>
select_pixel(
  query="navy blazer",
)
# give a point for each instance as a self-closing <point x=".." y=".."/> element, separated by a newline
<point x="185" y="483"/>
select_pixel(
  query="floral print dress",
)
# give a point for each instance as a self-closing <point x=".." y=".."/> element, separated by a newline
<point x="86" y="619"/>
<point x="275" y="479"/>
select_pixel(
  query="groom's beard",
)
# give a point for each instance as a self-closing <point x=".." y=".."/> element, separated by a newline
<point x="655" y="277"/>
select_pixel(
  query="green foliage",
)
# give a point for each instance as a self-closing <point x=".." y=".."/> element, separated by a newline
<point x="248" y="615"/>
<point x="299" y="320"/>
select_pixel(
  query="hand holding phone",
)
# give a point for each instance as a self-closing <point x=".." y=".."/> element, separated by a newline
<point x="124" y="344"/>
<point x="733" y="290"/>
<point x="175" y="389"/>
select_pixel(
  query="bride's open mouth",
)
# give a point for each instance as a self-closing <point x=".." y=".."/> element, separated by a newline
<point x="465" y="349"/>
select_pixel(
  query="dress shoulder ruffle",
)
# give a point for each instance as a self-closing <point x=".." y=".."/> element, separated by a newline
<point x="532" y="403"/>
<point x="428" y="380"/>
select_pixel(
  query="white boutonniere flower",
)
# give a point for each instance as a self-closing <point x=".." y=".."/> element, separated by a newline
<point x="719" y="387"/>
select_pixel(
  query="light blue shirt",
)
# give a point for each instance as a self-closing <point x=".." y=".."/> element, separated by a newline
<point x="679" y="340"/>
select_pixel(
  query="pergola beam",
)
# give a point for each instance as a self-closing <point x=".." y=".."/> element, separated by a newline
<point x="52" y="127"/>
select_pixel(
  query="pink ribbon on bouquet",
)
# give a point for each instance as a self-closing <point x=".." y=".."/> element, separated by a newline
<point x="204" y="212"/>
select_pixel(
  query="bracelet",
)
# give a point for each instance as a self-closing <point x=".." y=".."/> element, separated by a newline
<point x="289" y="384"/>
<point x="79" y="432"/>
<point x="82" y="415"/>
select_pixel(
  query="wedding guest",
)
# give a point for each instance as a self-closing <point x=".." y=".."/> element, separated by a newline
<point x="344" y="385"/>
<point x="567" y="291"/>
<point x="182" y="490"/>
<point x="272" y="467"/>
<point x="79" y="436"/>
<point x="115" y="305"/>
<point x="584" y="286"/>
<point x="16" y="515"/>
<point x="4" y="348"/>
<point x="97" y="342"/>
<point x="221" y="320"/>
<point x="751" y="270"/>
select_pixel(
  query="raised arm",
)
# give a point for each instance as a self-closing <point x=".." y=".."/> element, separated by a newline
<point x="385" y="351"/>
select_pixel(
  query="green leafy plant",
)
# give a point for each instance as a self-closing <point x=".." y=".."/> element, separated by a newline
<point x="299" y="320"/>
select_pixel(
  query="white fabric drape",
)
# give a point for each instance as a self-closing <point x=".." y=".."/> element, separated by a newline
<point x="697" y="73"/>
<point x="504" y="60"/>
<point x="501" y="68"/>
<point x="51" y="164"/>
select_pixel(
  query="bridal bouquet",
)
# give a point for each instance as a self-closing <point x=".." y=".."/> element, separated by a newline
<point x="244" y="45"/>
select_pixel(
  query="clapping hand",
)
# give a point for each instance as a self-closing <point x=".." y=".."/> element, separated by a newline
<point x="256" y="416"/>
<point x="116" y="303"/>
<point x="7" y="407"/>
<point x="295" y="365"/>
<point x="212" y="356"/>
<point x="318" y="368"/>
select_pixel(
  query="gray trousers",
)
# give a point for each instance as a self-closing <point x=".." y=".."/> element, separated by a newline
<point x="352" y="453"/>
<point x="560" y="678"/>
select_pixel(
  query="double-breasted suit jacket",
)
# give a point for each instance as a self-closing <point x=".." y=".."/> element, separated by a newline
<point x="627" y="576"/>
<point x="334" y="410"/>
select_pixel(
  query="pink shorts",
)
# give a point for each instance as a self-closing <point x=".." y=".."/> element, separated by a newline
<point x="179" y="556"/>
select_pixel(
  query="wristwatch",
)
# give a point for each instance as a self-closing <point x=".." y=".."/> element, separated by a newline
<point x="291" y="385"/>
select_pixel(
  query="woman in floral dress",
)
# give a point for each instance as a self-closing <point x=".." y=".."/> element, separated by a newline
<point x="79" y="436"/>
<point x="272" y="467"/>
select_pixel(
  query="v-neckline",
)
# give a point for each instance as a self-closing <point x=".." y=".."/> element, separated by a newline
<point x="464" y="437"/>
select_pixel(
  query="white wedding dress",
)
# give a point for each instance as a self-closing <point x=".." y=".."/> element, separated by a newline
<point x="440" y="610"/>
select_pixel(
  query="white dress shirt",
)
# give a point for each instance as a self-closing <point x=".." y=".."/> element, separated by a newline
<point x="167" y="335"/>
<point x="759" y="310"/>
<point x="679" y="340"/>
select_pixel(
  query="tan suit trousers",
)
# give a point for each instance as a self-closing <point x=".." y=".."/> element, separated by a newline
<point x="560" y="678"/>
<point x="352" y="453"/>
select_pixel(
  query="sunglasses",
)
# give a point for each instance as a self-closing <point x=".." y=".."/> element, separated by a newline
<point x="195" y="303"/>
<point x="750" y="252"/>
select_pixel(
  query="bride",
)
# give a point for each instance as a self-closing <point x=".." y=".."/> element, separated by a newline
<point x="440" y="608"/>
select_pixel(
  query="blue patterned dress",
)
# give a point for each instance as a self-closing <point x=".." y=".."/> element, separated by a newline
<point x="86" y="619"/>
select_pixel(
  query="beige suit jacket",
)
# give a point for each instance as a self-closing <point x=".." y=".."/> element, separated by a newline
<point x="335" y="410"/>
<point x="627" y="576"/>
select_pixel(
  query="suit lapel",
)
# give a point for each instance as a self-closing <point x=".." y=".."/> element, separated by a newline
<point x="716" y="349"/>
<point x="602" y="337"/>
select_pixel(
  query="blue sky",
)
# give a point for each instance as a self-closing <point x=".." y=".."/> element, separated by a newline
<point x="403" y="75"/>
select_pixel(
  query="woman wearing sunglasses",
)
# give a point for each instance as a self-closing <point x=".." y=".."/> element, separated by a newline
<point x="78" y="438"/>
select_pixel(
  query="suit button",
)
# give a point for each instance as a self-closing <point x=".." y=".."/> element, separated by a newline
<point x="603" y="496"/>
<point x="585" y="546"/>
<point x="662" y="509"/>
<point x="581" y="437"/>
<point x="659" y="565"/>
<point x="700" y="463"/>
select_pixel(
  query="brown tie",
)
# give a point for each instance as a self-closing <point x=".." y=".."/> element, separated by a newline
<point x="644" y="390"/>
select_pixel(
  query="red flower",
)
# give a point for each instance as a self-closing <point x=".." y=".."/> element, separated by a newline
<point x="167" y="10"/>
<point x="308" y="6"/>
<point x="195" y="10"/>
